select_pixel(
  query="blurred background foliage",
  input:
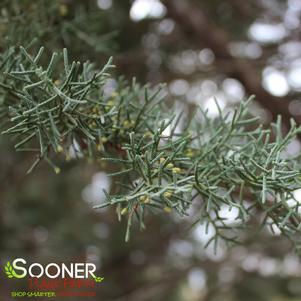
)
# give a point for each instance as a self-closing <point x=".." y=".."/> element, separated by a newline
<point x="201" y="49"/>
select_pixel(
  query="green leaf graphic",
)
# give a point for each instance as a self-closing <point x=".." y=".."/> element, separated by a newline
<point x="98" y="279"/>
<point x="11" y="273"/>
<point x="9" y="270"/>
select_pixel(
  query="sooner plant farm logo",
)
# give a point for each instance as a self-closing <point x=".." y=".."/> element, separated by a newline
<point x="53" y="280"/>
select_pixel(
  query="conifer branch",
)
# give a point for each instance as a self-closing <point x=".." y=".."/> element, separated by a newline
<point x="168" y="162"/>
<point x="53" y="106"/>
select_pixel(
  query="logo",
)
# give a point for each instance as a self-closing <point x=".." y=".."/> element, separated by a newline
<point x="53" y="279"/>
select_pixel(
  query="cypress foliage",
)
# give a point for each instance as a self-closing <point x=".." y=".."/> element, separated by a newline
<point x="52" y="106"/>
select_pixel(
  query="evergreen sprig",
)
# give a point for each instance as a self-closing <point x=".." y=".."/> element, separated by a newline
<point x="53" y="108"/>
<point x="165" y="161"/>
<point x="226" y="162"/>
<point x="51" y="105"/>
